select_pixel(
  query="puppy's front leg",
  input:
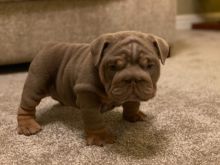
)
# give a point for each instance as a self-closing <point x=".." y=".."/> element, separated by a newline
<point x="132" y="113"/>
<point x="96" y="133"/>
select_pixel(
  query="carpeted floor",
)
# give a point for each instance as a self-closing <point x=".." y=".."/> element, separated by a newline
<point x="183" y="125"/>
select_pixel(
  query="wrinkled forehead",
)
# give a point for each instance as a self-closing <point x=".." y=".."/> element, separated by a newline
<point x="132" y="46"/>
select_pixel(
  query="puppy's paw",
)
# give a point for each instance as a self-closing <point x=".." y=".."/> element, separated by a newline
<point x="138" y="116"/>
<point x="99" y="137"/>
<point x="28" y="126"/>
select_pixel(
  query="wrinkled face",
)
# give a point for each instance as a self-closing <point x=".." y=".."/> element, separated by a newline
<point x="130" y="70"/>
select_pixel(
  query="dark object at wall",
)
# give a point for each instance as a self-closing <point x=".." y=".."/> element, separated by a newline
<point x="5" y="69"/>
<point x="207" y="26"/>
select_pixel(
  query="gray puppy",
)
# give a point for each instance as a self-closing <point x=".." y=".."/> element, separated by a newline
<point x="115" y="69"/>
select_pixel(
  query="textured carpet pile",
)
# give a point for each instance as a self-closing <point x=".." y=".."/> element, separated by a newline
<point x="182" y="127"/>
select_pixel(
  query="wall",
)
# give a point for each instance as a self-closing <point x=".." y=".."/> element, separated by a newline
<point x="210" y="5"/>
<point x="186" y="6"/>
<point x="197" y="6"/>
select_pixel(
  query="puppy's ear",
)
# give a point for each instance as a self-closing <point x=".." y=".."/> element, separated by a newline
<point x="98" y="46"/>
<point x="162" y="48"/>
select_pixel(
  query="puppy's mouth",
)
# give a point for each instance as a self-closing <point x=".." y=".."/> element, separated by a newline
<point x="132" y="92"/>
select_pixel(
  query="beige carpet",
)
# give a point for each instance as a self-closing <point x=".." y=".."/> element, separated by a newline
<point x="183" y="125"/>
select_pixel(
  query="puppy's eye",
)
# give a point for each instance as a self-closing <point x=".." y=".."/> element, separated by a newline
<point x="149" y="66"/>
<point x="112" y="67"/>
<point x="116" y="65"/>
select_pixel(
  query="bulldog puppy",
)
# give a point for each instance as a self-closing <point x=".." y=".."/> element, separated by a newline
<point x="115" y="69"/>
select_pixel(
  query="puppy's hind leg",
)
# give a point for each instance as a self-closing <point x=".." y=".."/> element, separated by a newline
<point x="35" y="88"/>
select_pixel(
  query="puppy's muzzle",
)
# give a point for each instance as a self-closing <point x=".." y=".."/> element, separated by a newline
<point x="132" y="87"/>
<point x="132" y="80"/>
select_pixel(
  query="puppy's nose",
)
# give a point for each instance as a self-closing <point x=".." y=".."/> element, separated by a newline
<point x="132" y="80"/>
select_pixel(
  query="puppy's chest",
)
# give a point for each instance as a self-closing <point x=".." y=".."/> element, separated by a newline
<point x="108" y="104"/>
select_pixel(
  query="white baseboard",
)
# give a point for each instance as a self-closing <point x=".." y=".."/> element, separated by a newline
<point x="185" y="21"/>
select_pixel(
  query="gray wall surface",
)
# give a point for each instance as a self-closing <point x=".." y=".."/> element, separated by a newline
<point x="28" y="25"/>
